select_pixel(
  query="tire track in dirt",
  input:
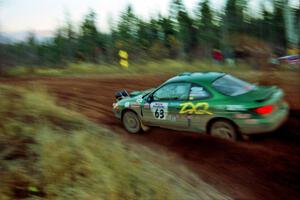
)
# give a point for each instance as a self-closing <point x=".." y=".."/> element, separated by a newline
<point x="267" y="167"/>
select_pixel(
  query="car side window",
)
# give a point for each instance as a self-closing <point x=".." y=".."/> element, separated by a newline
<point x="198" y="92"/>
<point x="172" y="91"/>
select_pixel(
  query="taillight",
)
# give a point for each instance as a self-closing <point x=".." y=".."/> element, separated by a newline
<point x="264" y="110"/>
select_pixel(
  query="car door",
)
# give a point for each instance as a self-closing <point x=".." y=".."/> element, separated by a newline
<point x="163" y="110"/>
<point x="198" y="107"/>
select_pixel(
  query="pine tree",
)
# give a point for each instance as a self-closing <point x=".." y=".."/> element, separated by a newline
<point x="208" y="33"/>
<point x="169" y="36"/>
<point x="88" y="41"/>
<point x="127" y="31"/>
<point x="187" y="33"/>
<point x="234" y="15"/>
<point x="278" y="25"/>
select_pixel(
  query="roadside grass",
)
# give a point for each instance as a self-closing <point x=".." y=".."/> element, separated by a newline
<point x="50" y="152"/>
<point x="283" y="75"/>
<point x="151" y="67"/>
<point x="170" y="67"/>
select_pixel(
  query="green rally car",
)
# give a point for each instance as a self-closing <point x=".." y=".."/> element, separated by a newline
<point x="210" y="102"/>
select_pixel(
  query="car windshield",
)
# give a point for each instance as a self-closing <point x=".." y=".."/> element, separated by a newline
<point x="232" y="86"/>
<point x="172" y="91"/>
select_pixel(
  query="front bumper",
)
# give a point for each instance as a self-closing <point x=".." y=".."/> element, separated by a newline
<point x="117" y="114"/>
<point x="116" y="110"/>
<point x="265" y="125"/>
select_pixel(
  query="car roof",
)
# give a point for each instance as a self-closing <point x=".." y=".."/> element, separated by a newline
<point x="196" y="77"/>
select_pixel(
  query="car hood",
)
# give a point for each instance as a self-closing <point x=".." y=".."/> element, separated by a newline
<point x="135" y="96"/>
<point x="138" y="93"/>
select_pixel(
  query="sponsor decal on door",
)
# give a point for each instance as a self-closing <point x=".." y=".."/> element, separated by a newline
<point x="200" y="108"/>
<point x="159" y="110"/>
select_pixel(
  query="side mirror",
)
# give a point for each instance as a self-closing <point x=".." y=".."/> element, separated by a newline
<point x="149" y="99"/>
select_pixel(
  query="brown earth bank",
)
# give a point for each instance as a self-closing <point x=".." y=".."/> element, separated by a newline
<point x="265" y="167"/>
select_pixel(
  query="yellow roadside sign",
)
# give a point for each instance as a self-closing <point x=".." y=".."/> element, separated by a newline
<point x="124" y="63"/>
<point x="123" y="54"/>
<point x="123" y="59"/>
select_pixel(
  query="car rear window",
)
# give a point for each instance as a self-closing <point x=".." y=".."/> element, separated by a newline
<point x="232" y="86"/>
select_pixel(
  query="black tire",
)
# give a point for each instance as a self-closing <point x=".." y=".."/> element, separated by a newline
<point x="131" y="122"/>
<point x="223" y="129"/>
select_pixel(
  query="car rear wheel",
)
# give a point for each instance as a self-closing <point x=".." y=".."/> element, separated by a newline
<point x="223" y="129"/>
<point x="131" y="122"/>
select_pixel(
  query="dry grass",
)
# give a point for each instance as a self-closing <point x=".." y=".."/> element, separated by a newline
<point x="49" y="152"/>
<point x="153" y="67"/>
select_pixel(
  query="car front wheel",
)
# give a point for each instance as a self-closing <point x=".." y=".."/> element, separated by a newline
<point x="131" y="122"/>
<point x="223" y="129"/>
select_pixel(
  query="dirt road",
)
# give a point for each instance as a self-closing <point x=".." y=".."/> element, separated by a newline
<point x="266" y="167"/>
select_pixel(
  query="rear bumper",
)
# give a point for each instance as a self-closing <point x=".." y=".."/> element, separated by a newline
<point x="265" y="125"/>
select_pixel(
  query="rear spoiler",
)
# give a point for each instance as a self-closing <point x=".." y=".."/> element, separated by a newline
<point x="269" y="93"/>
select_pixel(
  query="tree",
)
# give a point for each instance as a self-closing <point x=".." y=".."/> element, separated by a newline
<point x="59" y="46"/>
<point x="208" y="33"/>
<point x="205" y="16"/>
<point x="169" y="36"/>
<point x="71" y="43"/>
<point x="297" y="23"/>
<point x="233" y="25"/>
<point x="234" y="15"/>
<point x="266" y="31"/>
<point x="187" y="32"/>
<point x="31" y="49"/>
<point x="278" y="25"/>
<point x="89" y="40"/>
<point x="127" y="31"/>
<point x="178" y="35"/>
<point x="144" y="36"/>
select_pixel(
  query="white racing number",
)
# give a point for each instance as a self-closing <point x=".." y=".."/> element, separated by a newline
<point x="159" y="110"/>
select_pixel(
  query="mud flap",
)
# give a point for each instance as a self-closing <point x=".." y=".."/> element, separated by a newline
<point x="145" y="128"/>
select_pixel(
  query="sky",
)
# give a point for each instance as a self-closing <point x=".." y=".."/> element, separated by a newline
<point x="46" y="15"/>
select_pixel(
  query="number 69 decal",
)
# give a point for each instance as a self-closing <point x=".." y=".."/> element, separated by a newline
<point x="159" y="110"/>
